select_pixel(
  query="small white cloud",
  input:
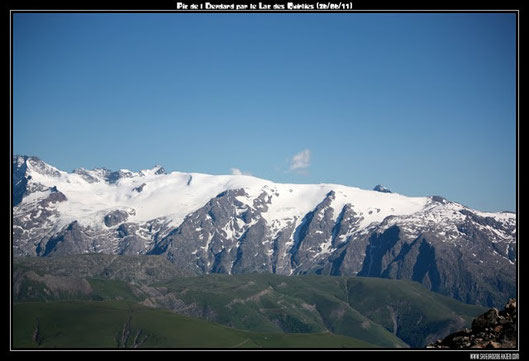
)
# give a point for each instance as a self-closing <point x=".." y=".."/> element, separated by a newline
<point x="300" y="161"/>
<point x="237" y="171"/>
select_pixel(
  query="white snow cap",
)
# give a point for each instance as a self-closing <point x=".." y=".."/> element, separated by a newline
<point x="174" y="195"/>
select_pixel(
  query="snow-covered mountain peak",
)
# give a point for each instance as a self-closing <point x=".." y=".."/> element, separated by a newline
<point x="156" y="170"/>
<point x="35" y="165"/>
<point x="155" y="194"/>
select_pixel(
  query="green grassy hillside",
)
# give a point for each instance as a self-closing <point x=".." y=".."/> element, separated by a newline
<point x="100" y="324"/>
<point x="388" y="313"/>
<point x="380" y="312"/>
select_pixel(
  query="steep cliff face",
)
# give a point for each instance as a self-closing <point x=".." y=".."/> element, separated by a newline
<point x="240" y="224"/>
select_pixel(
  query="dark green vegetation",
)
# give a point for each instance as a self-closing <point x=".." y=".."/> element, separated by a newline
<point x="384" y="312"/>
<point x="85" y="301"/>
<point x="102" y="324"/>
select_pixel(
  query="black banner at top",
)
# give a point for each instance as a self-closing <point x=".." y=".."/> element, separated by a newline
<point x="260" y="5"/>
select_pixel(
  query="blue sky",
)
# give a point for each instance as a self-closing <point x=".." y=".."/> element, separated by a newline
<point x="424" y="104"/>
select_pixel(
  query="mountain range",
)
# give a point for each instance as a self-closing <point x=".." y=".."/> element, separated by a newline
<point x="234" y="224"/>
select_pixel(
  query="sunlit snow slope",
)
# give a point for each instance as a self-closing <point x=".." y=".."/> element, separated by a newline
<point x="90" y="196"/>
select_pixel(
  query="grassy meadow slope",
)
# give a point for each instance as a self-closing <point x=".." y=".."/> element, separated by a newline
<point x="100" y="324"/>
<point x="379" y="312"/>
<point x="386" y="312"/>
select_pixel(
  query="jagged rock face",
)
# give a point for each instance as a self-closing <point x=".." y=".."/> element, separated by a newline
<point x="313" y="237"/>
<point x="491" y="330"/>
<point x="21" y="185"/>
<point x="464" y="265"/>
<point x="20" y="181"/>
<point x="224" y="236"/>
<point x="240" y="224"/>
<point x="35" y="221"/>
<point x="115" y="217"/>
<point x="381" y="188"/>
<point x="140" y="188"/>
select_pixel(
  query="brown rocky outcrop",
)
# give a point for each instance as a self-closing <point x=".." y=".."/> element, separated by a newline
<point x="491" y="330"/>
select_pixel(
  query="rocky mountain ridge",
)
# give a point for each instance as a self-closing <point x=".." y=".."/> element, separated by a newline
<point x="240" y="224"/>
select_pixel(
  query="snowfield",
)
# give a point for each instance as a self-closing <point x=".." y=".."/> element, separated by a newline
<point x="177" y="194"/>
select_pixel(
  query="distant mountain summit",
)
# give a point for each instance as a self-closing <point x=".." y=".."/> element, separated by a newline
<point x="381" y="188"/>
<point x="239" y="223"/>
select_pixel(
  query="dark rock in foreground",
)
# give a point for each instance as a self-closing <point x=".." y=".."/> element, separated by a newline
<point x="491" y="330"/>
